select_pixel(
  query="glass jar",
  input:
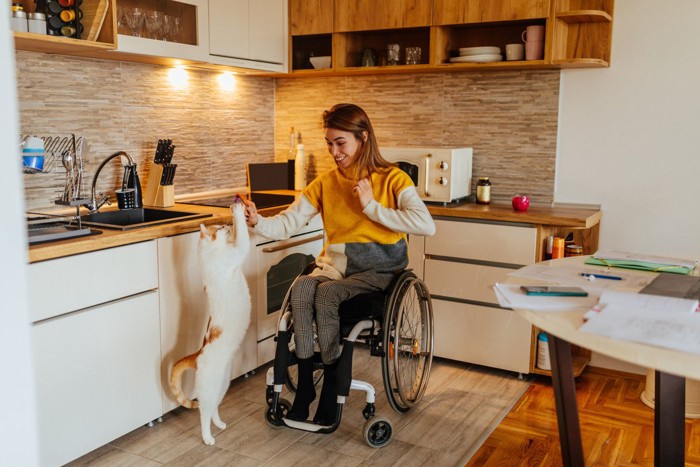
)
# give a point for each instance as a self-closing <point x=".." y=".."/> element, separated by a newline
<point x="483" y="191"/>
<point x="573" y="250"/>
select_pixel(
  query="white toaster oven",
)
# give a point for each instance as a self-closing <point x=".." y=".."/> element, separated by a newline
<point x="441" y="175"/>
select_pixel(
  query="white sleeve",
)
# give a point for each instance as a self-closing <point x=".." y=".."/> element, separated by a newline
<point x="412" y="217"/>
<point x="286" y="223"/>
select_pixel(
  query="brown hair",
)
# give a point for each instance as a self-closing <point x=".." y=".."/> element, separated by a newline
<point x="351" y="118"/>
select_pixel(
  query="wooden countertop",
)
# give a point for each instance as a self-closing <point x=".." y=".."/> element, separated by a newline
<point x="556" y="216"/>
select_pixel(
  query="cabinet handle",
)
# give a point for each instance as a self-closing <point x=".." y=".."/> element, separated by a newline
<point x="427" y="174"/>
<point x="272" y="249"/>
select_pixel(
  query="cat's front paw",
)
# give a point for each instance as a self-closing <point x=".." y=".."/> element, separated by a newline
<point x="219" y="424"/>
<point x="209" y="440"/>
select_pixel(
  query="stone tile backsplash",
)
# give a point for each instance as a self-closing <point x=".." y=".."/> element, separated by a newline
<point x="129" y="106"/>
<point x="509" y="118"/>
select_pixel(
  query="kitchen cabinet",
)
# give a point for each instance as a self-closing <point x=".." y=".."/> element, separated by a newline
<point x="472" y="249"/>
<point x="578" y="33"/>
<point x="367" y="15"/>
<point x="189" y="40"/>
<point x="95" y="337"/>
<point x="185" y="314"/>
<point x="311" y="31"/>
<point x="249" y="33"/>
<point x="99" y="32"/>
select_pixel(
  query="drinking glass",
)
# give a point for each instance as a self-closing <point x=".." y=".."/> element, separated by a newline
<point x="154" y="24"/>
<point x="413" y="55"/>
<point x="172" y="27"/>
<point x="134" y="20"/>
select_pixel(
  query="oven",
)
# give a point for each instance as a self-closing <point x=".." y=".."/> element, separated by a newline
<point x="441" y="175"/>
<point x="277" y="264"/>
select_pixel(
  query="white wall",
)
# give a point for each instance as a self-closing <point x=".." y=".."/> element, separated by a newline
<point x="18" y="434"/>
<point x="629" y="135"/>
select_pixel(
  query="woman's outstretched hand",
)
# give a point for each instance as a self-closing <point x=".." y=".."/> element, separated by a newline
<point x="363" y="190"/>
<point x="251" y="214"/>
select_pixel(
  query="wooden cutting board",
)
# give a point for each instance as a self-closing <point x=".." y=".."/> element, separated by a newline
<point x="94" y="14"/>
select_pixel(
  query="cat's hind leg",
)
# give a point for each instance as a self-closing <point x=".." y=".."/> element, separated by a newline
<point x="205" y="418"/>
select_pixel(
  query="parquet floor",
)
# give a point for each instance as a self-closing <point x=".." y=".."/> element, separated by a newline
<point x="616" y="428"/>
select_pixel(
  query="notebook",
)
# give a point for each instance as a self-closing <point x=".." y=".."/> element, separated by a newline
<point x="674" y="285"/>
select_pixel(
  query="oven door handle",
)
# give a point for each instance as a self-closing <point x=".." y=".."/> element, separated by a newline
<point x="272" y="249"/>
<point x="427" y="175"/>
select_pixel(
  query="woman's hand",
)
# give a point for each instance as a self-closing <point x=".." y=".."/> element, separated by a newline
<point x="363" y="190"/>
<point x="251" y="214"/>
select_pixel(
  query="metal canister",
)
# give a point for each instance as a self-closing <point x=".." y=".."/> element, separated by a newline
<point x="36" y="23"/>
<point x="18" y="22"/>
<point x="573" y="250"/>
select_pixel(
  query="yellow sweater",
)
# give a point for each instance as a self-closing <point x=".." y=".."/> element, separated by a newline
<point x="357" y="239"/>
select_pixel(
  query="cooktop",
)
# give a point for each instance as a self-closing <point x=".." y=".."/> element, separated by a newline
<point x="261" y="200"/>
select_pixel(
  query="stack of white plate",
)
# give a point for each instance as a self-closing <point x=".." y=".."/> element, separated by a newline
<point x="478" y="55"/>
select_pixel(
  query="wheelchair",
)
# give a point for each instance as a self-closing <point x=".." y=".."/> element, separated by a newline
<point x="396" y="325"/>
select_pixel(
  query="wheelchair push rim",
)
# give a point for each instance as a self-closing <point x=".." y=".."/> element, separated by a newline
<point x="407" y="343"/>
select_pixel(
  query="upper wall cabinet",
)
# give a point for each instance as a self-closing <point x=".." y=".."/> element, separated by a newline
<point x="447" y="12"/>
<point x="97" y="23"/>
<point x="307" y="17"/>
<point x="582" y="33"/>
<point x="368" y="15"/>
<point x="249" y="33"/>
<point x="165" y="29"/>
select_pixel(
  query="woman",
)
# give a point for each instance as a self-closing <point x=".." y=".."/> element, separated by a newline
<point x="368" y="205"/>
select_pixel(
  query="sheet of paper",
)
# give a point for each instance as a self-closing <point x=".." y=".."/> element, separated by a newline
<point x="657" y="303"/>
<point x="571" y="275"/>
<point x="679" y="331"/>
<point x="510" y="296"/>
<point x="628" y="256"/>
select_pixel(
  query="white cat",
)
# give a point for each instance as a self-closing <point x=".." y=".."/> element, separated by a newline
<point x="222" y="251"/>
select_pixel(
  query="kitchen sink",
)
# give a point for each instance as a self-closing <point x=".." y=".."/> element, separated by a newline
<point x="127" y="219"/>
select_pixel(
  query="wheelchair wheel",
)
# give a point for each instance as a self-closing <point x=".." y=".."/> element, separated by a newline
<point x="283" y="407"/>
<point x="407" y="342"/>
<point x="377" y="431"/>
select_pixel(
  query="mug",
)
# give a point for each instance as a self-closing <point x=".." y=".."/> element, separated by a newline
<point x="533" y="34"/>
<point x="515" y="51"/>
<point x="534" y="50"/>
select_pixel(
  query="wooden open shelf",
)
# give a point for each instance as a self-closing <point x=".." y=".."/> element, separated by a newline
<point x="584" y="16"/>
<point x="579" y="363"/>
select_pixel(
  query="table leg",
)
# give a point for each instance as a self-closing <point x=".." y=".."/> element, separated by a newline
<point x="565" y="400"/>
<point x="669" y="420"/>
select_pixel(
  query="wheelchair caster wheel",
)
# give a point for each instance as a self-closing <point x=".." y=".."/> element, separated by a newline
<point x="275" y="421"/>
<point x="377" y="432"/>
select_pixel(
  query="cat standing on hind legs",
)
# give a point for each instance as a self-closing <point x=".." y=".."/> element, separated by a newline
<point x="222" y="252"/>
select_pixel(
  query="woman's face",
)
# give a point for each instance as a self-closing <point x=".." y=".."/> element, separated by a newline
<point x="343" y="146"/>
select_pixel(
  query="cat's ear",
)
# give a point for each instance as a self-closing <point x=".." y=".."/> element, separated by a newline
<point x="203" y="232"/>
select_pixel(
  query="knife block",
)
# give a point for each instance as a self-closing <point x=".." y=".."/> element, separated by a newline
<point x="157" y="195"/>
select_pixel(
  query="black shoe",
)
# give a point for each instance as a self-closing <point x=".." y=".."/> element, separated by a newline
<point x="328" y="404"/>
<point x="306" y="393"/>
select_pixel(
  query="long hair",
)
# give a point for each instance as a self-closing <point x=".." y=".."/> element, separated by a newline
<point x="351" y="118"/>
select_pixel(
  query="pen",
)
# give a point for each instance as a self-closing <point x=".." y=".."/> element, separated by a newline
<point x="601" y="276"/>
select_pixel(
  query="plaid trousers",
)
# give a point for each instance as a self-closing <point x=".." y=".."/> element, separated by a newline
<point x="322" y="296"/>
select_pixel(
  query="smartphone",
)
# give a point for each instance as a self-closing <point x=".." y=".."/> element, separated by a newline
<point x="553" y="290"/>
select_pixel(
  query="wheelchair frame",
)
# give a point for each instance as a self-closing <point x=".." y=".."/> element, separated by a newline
<point x="401" y="333"/>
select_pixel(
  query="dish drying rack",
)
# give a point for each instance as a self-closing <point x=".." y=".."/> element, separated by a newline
<point x="63" y="157"/>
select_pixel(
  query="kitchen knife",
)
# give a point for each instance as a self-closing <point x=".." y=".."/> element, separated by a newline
<point x="171" y="178"/>
<point x="169" y="154"/>
<point x="159" y="152"/>
<point x="164" y="175"/>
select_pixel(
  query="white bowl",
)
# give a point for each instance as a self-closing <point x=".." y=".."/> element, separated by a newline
<point x="321" y="62"/>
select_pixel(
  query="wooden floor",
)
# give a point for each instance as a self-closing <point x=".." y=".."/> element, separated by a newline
<point x="616" y="428"/>
<point x="462" y="405"/>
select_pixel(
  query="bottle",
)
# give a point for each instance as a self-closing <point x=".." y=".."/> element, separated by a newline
<point x="548" y="248"/>
<point x="299" y="169"/>
<point x="558" y="248"/>
<point x="291" y="155"/>
<point x="543" y="362"/>
<point x="483" y="191"/>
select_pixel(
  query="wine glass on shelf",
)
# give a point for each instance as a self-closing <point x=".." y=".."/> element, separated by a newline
<point x="172" y="27"/>
<point x="134" y="20"/>
<point x="154" y="24"/>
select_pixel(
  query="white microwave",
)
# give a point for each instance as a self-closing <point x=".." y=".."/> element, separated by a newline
<point x="441" y="175"/>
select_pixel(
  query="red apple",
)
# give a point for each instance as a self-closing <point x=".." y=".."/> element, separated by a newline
<point x="521" y="202"/>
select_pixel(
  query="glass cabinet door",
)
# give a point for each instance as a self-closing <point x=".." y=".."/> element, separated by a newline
<point x="163" y="28"/>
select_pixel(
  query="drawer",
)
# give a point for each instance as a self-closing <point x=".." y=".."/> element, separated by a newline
<point x="501" y="243"/>
<point x="482" y="335"/>
<point x="463" y="280"/>
<point x="67" y="284"/>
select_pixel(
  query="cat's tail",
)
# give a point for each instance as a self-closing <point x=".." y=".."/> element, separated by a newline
<point x="186" y="363"/>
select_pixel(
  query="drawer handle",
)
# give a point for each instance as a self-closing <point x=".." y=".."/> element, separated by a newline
<point x="272" y="249"/>
<point x="427" y="175"/>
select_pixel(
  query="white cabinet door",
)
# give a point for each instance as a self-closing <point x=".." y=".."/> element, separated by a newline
<point x="192" y="42"/>
<point x="96" y="375"/>
<point x="185" y="313"/>
<point x="249" y="33"/>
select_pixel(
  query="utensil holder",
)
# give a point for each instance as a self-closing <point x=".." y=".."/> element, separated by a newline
<point x="157" y="195"/>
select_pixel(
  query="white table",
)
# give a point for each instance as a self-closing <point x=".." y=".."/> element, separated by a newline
<point x="672" y="368"/>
